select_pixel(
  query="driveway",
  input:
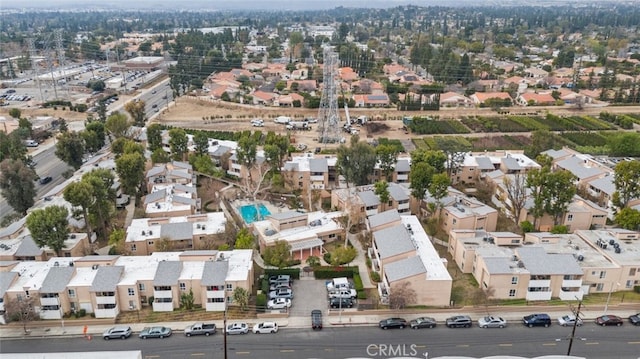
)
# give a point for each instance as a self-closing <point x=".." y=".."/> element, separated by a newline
<point x="309" y="294"/>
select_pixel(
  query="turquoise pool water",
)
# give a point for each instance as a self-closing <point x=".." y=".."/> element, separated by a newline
<point x="249" y="213"/>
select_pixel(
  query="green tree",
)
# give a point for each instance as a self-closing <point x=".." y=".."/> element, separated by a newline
<point x="241" y="297"/>
<point x="187" y="300"/>
<point x="49" y="227"/>
<point x="625" y="144"/>
<point x="313" y="261"/>
<point x="244" y="240"/>
<point x="154" y="137"/>
<point x="343" y="255"/>
<point x="137" y="111"/>
<point x="15" y="113"/>
<point x="160" y="156"/>
<point x="98" y="139"/>
<point x="356" y="162"/>
<point x="438" y="188"/>
<point x="22" y="310"/>
<point x="70" y="149"/>
<point x="420" y="176"/>
<point x="387" y="157"/>
<point x="117" y="124"/>
<point x="178" y="142"/>
<point x="381" y="189"/>
<point x="16" y="184"/>
<point x="12" y="146"/>
<point x="536" y="180"/>
<point x="454" y="151"/>
<point x="102" y="198"/>
<point x="628" y="218"/>
<point x="278" y="255"/>
<point x="627" y="182"/>
<point x="80" y="194"/>
<point x="558" y="192"/>
<point x="201" y="142"/>
<point x="130" y="169"/>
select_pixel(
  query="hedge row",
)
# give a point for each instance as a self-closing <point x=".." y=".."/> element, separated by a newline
<point x="427" y="126"/>
<point x="328" y="272"/>
<point x="293" y="272"/>
<point x="585" y="138"/>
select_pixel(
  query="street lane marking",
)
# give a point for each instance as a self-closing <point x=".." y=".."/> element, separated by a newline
<point x="287" y="351"/>
<point x="633" y="342"/>
<point x="505" y="345"/>
<point x="152" y="356"/>
<point x="328" y="349"/>
<point x="197" y="354"/>
<point x="549" y="344"/>
<point x="420" y="346"/>
<point x="242" y="353"/>
<point x="463" y="345"/>
<point x="591" y="343"/>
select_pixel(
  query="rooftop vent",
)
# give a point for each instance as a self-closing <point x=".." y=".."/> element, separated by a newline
<point x="94" y="267"/>
<point x="580" y="258"/>
<point x="144" y="233"/>
<point x="618" y="250"/>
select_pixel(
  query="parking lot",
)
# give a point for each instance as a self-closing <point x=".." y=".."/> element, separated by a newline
<point x="309" y="294"/>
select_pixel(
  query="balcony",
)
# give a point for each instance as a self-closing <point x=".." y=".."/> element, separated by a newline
<point x="49" y="301"/>
<point x="317" y="178"/>
<point x="575" y="294"/>
<point x="106" y="300"/>
<point x="162" y="294"/>
<point x="215" y="294"/>
<point x="575" y="283"/>
<point x="383" y="291"/>
<point x="545" y="283"/>
<point x="107" y="313"/>
<point x="236" y="166"/>
<point x="538" y="295"/>
<point x="403" y="177"/>
<point x="51" y="313"/>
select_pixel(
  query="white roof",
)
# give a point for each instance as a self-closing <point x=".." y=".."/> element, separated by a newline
<point x="213" y="223"/>
<point x="322" y="222"/>
<point x="83" y="277"/>
<point x="240" y="264"/>
<point x="436" y="269"/>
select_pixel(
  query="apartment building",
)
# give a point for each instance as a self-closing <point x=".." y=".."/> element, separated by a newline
<point x="306" y="233"/>
<point x="458" y="211"/>
<point x="167" y="200"/>
<point x="108" y="285"/>
<point x="24" y="248"/>
<point x="170" y="173"/>
<point x="198" y="231"/>
<point x="403" y="255"/>
<point x="476" y="165"/>
<point x="364" y="200"/>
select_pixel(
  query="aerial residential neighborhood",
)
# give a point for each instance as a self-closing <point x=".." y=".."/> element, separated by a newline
<point x="320" y="172"/>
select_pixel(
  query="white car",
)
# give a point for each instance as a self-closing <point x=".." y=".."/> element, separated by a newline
<point x="279" y="303"/>
<point x="237" y="328"/>
<point x="569" y="320"/>
<point x="265" y="327"/>
<point x="492" y="322"/>
<point x="282" y="120"/>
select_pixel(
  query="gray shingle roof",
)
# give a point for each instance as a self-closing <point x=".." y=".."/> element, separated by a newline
<point x="318" y="165"/>
<point x="604" y="184"/>
<point x="107" y="278"/>
<point x="576" y="166"/>
<point x="397" y="192"/>
<point x="393" y="241"/>
<point x="484" y="163"/>
<point x="57" y="279"/>
<point x="497" y="265"/>
<point x="291" y="166"/>
<point x="382" y="218"/>
<point x="28" y="248"/>
<point x="539" y="262"/>
<point x="369" y="198"/>
<point x="183" y="188"/>
<point x="155" y="196"/>
<point x="167" y="273"/>
<point x="221" y="150"/>
<point x="511" y="163"/>
<point x="214" y="273"/>
<point x="404" y="268"/>
<point x="177" y="231"/>
<point x="180" y="164"/>
<point x="156" y="170"/>
<point x="555" y="153"/>
<point x="184" y="200"/>
<point x="286" y="215"/>
<point x="403" y="166"/>
<point x="6" y="279"/>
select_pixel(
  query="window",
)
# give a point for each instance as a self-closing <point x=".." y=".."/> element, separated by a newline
<point x="514" y="280"/>
<point x="133" y="247"/>
<point x="150" y="243"/>
<point x="26" y="294"/>
<point x="600" y="287"/>
<point x="215" y="300"/>
<point x="183" y="286"/>
<point x="454" y="221"/>
<point x="515" y="241"/>
<point x="72" y="293"/>
<point x="603" y="274"/>
<point x="512" y="292"/>
<point x="141" y="287"/>
<point x="332" y="235"/>
<point x="131" y="292"/>
<point x="629" y="284"/>
<point x="570" y="218"/>
<point x="632" y="272"/>
<point x="229" y="287"/>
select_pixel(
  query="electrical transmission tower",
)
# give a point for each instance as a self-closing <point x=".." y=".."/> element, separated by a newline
<point x="61" y="58"/>
<point x="34" y="64"/>
<point x="328" y="118"/>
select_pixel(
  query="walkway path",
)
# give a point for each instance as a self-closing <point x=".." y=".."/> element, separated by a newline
<point x="361" y="262"/>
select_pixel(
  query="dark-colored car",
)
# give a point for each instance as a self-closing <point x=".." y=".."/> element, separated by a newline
<point x="393" y="323"/>
<point x="341" y="303"/>
<point x="608" y="319"/>
<point x="316" y="319"/>
<point x="422" y="322"/>
<point x="635" y="319"/>
<point x="45" y="180"/>
<point x="458" y="321"/>
<point x="537" y="320"/>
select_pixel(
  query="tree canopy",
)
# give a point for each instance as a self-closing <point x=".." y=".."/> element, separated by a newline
<point x="16" y="184"/>
<point x="356" y="162"/>
<point x="49" y="227"/>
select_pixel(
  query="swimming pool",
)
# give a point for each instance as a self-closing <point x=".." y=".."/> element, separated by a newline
<point x="249" y="213"/>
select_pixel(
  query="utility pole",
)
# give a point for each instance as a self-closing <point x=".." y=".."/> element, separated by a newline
<point x="61" y="58"/>
<point x="34" y="64"/>
<point x="575" y="325"/>
<point x="225" y="330"/>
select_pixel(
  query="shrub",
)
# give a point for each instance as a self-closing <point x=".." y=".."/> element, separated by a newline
<point x="326" y="272"/>
<point x="293" y="272"/>
<point x="560" y="229"/>
<point x="636" y="289"/>
<point x="357" y="282"/>
<point x="362" y="295"/>
<point x="313" y="261"/>
<point x="151" y="299"/>
<point x="261" y="300"/>
<point x="265" y="285"/>
<point x="327" y="257"/>
<point x="375" y="277"/>
<point x="527" y="226"/>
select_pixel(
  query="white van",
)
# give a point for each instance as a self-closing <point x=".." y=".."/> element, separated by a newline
<point x="282" y="120"/>
<point x="338" y="283"/>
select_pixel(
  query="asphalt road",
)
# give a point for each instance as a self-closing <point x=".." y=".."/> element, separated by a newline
<point x="368" y="342"/>
<point x="47" y="164"/>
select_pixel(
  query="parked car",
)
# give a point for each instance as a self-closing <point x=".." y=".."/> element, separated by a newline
<point x="45" y="180"/>
<point x="458" y="321"/>
<point x="117" y="332"/>
<point x="569" y="321"/>
<point x="608" y="320"/>
<point x="316" y="319"/>
<point x="265" y="327"/>
<point x="392" y="323"/>
<point x="492" y="322"/>
<point x="277" y="286"/>
<point x="281" y="293"/>
<point x="422" y="322"/>
<point x="279" y="303"/>
<point x="237" y="328"/>
<point x="279" y="278"/>
<point x="155" y="332"/>
<point x="340" y="302"/>
<point x="635" y="319"/>
<point x="537" y="320"/>
<point x="200" y="329"/>
<point x="343" y="293"/>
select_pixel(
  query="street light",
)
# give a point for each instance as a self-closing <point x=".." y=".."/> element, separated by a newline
<point x="606" y="306"/>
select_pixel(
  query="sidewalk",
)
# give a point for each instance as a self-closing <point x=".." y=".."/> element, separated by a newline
<point x="58" y="328"/>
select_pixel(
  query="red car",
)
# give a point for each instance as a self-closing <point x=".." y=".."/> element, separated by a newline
<point x="606" y="320"/>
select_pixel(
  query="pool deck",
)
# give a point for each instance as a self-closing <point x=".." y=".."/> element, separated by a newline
<point x="271" y="207"/>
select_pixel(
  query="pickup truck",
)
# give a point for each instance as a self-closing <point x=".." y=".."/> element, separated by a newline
<point x="200" y="329"/>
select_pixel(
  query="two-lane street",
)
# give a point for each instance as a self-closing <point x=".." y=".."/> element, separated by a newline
<point x="591" y="341"/>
